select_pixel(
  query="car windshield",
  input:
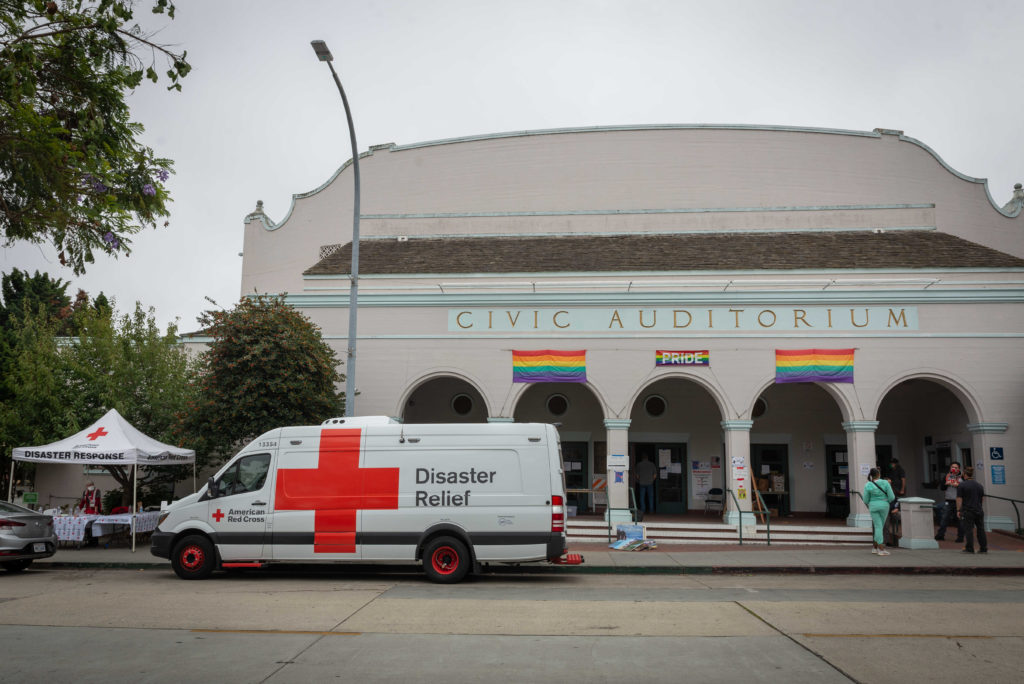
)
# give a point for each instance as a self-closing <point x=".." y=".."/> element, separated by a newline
<point x="11" y="508"/>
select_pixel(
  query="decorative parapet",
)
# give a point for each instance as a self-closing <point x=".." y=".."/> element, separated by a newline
<point x="1016" y="203"/>
<point x="258" y="215"/>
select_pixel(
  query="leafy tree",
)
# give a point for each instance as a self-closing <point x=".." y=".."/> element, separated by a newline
<point x="26" y="295"/>
<point x="33" y="387"/>
<point x="72" y="169"/>
<point x="128" y="364"/>
<point x="54" y="386"/>
<point x="267" y="366"/>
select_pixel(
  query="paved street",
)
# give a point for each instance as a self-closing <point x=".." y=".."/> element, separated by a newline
<point x="63" y="624"/>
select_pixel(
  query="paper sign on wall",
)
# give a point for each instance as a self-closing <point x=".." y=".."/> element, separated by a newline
<point x="865" y="469"/>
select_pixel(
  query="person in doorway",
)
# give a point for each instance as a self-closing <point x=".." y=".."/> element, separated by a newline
<point x="949" y="515"/>
<point x="968" y="498"/>
<point x="646" y="474"/>
<point x="898" y="477"/>
<point x="877" y="497"/>
<point x="91" y="500"/>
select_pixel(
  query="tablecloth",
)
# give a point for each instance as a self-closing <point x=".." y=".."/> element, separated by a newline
<point x="72" y="527"/>
<point x="108" y="524"/>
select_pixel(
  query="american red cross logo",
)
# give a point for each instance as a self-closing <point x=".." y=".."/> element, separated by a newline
<point x="100" y="432"/>
<point x="218" y="515"/>
<point x="336" y="490"/>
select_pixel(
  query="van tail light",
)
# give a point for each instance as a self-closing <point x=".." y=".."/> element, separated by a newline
<point x="11" y="524"/>
<point x="557" y="514"/>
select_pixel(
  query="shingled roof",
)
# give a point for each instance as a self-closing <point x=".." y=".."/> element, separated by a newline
<point x="691" y="252"/>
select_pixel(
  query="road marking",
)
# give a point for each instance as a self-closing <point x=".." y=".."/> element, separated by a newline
<point x="894" y="636"/>
<point x="273" y="631"/>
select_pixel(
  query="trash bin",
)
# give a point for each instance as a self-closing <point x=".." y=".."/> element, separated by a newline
<point x="918" y="528"/>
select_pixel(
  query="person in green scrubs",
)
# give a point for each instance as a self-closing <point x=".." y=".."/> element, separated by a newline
<point x="877" y="497"/>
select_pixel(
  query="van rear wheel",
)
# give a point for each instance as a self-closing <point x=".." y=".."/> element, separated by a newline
<point x="446" y="560"/>
<point x="193" y="558"/>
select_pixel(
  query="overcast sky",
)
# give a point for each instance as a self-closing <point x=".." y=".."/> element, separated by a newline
<point x="260" y="118"/>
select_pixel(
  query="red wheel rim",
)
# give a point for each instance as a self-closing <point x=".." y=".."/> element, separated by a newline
<point x="445" y="560"/>
<point x="192" y="557"/>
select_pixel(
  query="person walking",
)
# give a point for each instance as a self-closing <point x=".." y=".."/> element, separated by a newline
<point x="877" y="496"/>
<point x="949" y="515"/>
<point x="646" y="474"/>
<point x="968" y="498"/>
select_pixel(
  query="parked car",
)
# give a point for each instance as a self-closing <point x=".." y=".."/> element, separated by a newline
<point x="25" y="535"/>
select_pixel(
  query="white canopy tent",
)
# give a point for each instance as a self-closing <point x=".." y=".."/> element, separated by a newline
<point x="111" y="440"/>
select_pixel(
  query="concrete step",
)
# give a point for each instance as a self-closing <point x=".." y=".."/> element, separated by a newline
<point x="596" y="531"/>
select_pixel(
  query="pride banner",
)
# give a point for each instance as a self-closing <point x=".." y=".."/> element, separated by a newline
<point x="549" y="365"/>
<point x="814" y="365"/>
<point x="682" y="358"/>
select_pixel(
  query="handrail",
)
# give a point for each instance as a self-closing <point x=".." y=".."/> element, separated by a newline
<point x="767" y="515"/>
<point x="632" y="512"/>
<point x="1020" y="530"/>
<point x="739" y="511"/>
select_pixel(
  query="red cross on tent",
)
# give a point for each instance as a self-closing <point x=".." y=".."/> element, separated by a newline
<point x="337" y="489"/>
<point x="100" y="432"/>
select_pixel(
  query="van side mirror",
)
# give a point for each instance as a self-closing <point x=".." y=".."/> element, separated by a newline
<point x="211" y="488"/>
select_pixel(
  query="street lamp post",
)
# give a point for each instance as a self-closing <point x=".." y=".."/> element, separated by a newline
<point x="324" y="55"/>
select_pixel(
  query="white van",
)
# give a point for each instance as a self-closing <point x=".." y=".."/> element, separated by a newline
<point x="375" y="490"/>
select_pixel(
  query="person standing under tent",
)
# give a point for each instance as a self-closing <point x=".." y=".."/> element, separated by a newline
<point x="91" y="500"/>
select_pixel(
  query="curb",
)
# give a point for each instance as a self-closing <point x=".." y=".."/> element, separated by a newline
<point x="355" y="569"/>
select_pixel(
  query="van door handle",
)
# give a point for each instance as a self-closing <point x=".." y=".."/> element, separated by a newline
<point x="259" y="503"/>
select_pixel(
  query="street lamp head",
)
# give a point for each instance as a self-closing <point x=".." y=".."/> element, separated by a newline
<point x="321" y="50"/>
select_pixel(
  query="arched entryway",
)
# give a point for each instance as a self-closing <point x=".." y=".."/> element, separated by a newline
<point x="577" y="412"/>
<point x="445" y="399"/>
<point x="675" y="424"/>
<point x="924" y="424"/>
<point x="799" y="459"/>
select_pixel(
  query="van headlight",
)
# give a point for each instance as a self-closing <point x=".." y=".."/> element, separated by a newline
<point x="163" y="516"/>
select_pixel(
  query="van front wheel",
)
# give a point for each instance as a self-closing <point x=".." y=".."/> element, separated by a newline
<point x="193" y="558"/>
<point x="446" y="560"/>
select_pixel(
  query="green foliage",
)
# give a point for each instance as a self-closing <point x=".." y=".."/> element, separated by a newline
<point x="268" y="366"/>
<point x="24" y="294"/>
<point x="72" y="170"/>
<point x="53" y="386"/>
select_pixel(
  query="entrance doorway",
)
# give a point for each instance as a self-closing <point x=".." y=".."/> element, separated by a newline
<point x="772" y="461"/>
<point x="574" y="464"/>
<point x="670" y="487"/>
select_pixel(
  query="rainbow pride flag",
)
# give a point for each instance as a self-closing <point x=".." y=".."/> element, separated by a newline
<point x="549" y="365"/>
<point x="814" y="365"/>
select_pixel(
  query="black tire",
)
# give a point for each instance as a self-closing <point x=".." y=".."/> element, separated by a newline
<point x="193" y="558"/>
<point x="18" y="565"/>
<point x="446" y="560"/>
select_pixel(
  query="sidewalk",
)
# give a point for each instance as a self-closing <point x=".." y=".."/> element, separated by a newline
<point x="1005" y="556"/>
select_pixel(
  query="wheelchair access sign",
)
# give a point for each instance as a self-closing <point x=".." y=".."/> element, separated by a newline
<point x="995" y="453"/>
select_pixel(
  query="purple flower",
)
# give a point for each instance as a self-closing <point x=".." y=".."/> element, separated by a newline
<point x="98" y="186"/>
<point x="111" y="240"/>
<point x="162" y="175"/>
<point x="148" y="189"/>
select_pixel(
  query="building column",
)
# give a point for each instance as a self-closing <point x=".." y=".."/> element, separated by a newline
<point x="739" y="482"/>
<point x="984" y="437"/>
<point x="618" y="470"/>
<point x="860" y="449"/>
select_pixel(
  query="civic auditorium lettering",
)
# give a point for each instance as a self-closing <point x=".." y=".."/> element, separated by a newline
<point x="685" y="319"/>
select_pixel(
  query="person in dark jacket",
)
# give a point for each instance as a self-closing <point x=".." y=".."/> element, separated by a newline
<point x="968" y="499"/>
